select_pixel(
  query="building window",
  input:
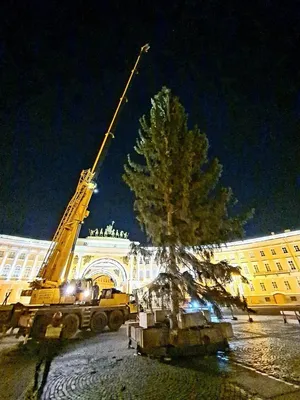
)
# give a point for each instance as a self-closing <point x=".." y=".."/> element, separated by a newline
<point x="16" y="271"/>
<point x="251" y="254"/>
<point x="262" y="253"/>
<point x="147" y="274"/>
<point x="274" y="284"/>
<point x="134" y="273"/>
<point x="296" y="248"/>
<point x="268" y="267"/>
<point x="284" y="249"/>
<point x="263" y="288"/>
<point x="12" y="254"/>
<point x="273" y="252"/>
<point x="6" y="270"/>
<point x="246" y="269"/>
<point x="251" y="287"/>
<point x="1" y="253"/>
<point x="31" y="257"/>
<point x="279" y="266"/>
<point x="292" y="265"/>
<point x="26" y="272"/>
<point x="298" y="281"/>
<point x="255" y="266"/>
<point x="293" y="298"/>
<point x="22" y="256"/>
<point x="241" y="255"/>
<point x="267" y="299"/>
<point x="141" y="277"/>
<point x="37" y="269"/>
<point x="287" y="285"/>
<point x="147" y="260"/>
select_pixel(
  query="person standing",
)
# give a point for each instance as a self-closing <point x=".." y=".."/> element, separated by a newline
<point x="96" y="291"/>
<point x="48" y="348"/>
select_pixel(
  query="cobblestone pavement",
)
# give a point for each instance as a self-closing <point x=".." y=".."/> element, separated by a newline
<point x="17" y="370"/>
<point x="102" y="367"/>
<point x="9" y="342"/>
<point x="268" y="345"/>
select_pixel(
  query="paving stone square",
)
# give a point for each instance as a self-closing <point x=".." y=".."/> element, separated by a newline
<point x="264" y="363"/>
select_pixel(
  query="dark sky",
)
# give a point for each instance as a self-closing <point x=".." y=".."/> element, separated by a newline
<point x="63" y="64"/>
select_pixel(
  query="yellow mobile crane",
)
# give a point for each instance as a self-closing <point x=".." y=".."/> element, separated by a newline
<point x="52" y="292"/>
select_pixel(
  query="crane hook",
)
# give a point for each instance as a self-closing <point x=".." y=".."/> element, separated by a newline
<point x="145" y="48"/>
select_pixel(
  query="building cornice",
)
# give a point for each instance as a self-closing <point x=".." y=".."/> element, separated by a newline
<point x="277" y="236"/>
<point x="22" y="241"/>
<point x="90" y="242"/>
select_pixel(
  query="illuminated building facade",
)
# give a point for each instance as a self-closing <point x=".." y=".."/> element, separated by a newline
<point x="104" y="259"/>
<point x="271" y="264"/>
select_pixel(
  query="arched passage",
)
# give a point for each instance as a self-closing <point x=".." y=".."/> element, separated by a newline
<point x="108" y="268"/>
<point x="279" y="298"/>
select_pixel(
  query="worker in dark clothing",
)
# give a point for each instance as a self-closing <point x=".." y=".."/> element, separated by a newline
<point x="49" y="348"/>
<point x="96" y="291"/>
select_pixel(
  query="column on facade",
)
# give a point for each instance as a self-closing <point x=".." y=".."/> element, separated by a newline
<point x="77" y="274"/>
<point x="152" y="258"/>
<point x="24" y="266"/>
<point x="13" y="265"/>
<point x="138" y="268"/>
<point x="39" y="262"/>
<point x="4" y="260"/>
<point x="32" y="275"/>
<point x="130" y="278"/>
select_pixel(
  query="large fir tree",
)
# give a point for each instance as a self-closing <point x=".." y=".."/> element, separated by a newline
<point x="179" y="205"/>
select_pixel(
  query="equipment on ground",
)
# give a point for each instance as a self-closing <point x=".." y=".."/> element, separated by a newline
<point x="51" y="291"/>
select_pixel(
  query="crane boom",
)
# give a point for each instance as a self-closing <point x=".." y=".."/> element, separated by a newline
<point x="58" y="260"/>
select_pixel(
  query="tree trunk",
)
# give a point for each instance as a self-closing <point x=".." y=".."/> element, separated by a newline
<point x="173" y="290"/>
<point x="172" y="268"/>
<point x="174" y="307"/>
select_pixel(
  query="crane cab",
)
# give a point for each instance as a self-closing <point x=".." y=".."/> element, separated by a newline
<point x="75" y="291"/>
<point x="113" y="297"/>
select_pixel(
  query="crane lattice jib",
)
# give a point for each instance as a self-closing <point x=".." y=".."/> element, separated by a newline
<point x="73" y="217"/>
<point x="59" y="256"/>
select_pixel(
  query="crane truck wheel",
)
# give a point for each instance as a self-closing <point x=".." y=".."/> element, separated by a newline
<point x="70" y="326"/>
<point x="98" y="322"/>
<point x="116" y="319"/>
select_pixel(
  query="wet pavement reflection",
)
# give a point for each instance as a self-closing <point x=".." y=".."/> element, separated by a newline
<point x="268" y="345"/>
<point x="102" y="366"/>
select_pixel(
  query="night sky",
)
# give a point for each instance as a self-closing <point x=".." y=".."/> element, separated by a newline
<point x="63" y="65"/>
